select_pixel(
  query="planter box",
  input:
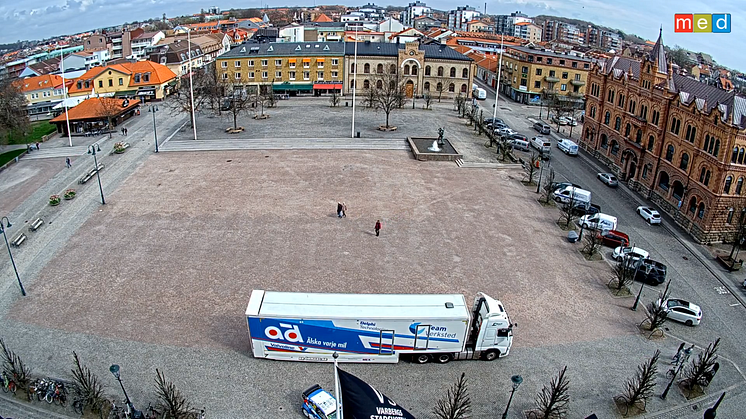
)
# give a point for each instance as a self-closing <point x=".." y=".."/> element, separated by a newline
<point x="730" y="264"/>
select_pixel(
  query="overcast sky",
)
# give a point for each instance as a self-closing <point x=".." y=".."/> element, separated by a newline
<point x="38" y="19"/>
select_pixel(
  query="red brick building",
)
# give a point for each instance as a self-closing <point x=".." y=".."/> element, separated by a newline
<point x="672" y="138"/>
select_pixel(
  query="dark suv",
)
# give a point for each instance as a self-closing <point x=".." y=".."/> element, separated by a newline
<point x="651" y="272"/>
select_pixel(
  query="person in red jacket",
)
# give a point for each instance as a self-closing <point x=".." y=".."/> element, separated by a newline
<point x="378" y="227"/>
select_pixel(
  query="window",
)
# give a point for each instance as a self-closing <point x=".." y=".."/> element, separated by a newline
<point x="577" y="77"/>
<point x="645" y="172"/>
<point x="607" y="118"/>
<point x="100" y="84"/>
<point x="352" y="67"/>
<point x="740" y="155"/>
<point x="691" y="132"/>
<point x="111" y="83"/>
<point x="440" y="72"/>
<point x="565" y="75"/>
<point x="352" y="84"/>
<point x="675" y="125"/>
<point x="306" y="75"/>
<point x="656" y="117"/>
<point x="251" y="63"/>
<point x="236" y="64"/>
<point x="146" y="77"/>
<point x="678" y="190"/>
<point x="427" y="69"/>
<point x="335" y="61"/>
<point x="251" y="74"/>
<point x="561" y="62"/>
<point x="701" y="211"/>
<point x="451" y="87"/>
<point x="278" y="63"/>
<point x="620" y="101"/>
<point x="265" y="63"/>
<point x="137" y="78"/>
<point x="693" y="205"/>
<point x="684" y="162"/>
<point x="614" y="147"/>
<point x="574" y="64"/>
<point x="524" y="82"/>
<point x="627" y="129"/>
<point x="730" y="216"/>
<point x="335" y="74"/>
<point x="406" y="70"/>
<point x="669" y="152"/>
<point x="593" y="112"/>
<point x="453" y="72"/>
<point x="538" y="72"/>
<point x="463" y="88"/>
<point x="586" y="66"/>
<point x="224" y="64"/>
<point x="734" y="156"/>
<point x="524" y="70"/>
<point x="549" y="60"/>
<point x="366" y="68"/>
<point x="319" y="75"/>
<point x="306" y="63"/>
<point x="427" y="86"/>
<point x="739" y="186"/>
<point x="465" y="73"/>
<point x="663" y="181"/>
<point x="379" y="84"/>
<point x="237" y="76"/>
<point x="728" y="182"/>
<point x="632" y="106"/>
<point x="537" y="85"/>
<point x="366" y="84"/>
<point x="563" y="87"/>
<point x="644" y="112"/>
<point x="265" y="74"/>
<point x="604" y="141"/>
<point x="617" y="124"/>
<point x="392" y="69"/>
<point x="551" y="73"/>
<point x="225" y="76"/>
<point x="439" y="87"/>
<point x="704" y="176"/>
<point x="611" y="96"/>
<point x="291" y="75"/>
<point x="415" y="70"/>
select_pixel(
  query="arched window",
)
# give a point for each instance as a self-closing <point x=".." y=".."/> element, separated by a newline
<point x="701" y="210"/>
<point x="678" y="190"/>
<point x="617" y="124"/>
<point x="352" y="84"/>
<point x="716" y="151"/>
<point x="379" y="69"/>
<point x="706" y="143"/>
<point x="669" y="152"/>
<point x="392" y="85"/>
<point x="740" y="155"/>
<point x="439" y="87"/>
<point x="414" y="70"/>
<point x="593" y="112"/>
<point x="427" y="86"/>
<point x="440" y="71"/>
<point x="614" y="147"/>
<point x="392" y="69"/>
<point x="632" y="106"/>
<point x="692" y="205"/>
<point x="730" y="216"/>
<point x="728" y="182"/>
<point x="406" y="70"/>
<point x="663" y="181"/>
<point x="651" y="143"/>
<point x="607" y="118"/>
<point x="465" y="73"/>
<point x="453" y="72"/>
<point x="352" y="68"/>
<point x="604" y="141"/>
<point x="627" y="129"/>
<point x="427" y="70"/>
<point x="451" y="87"/>
<point x="734" y="156"/>
<point x="463" y="88"/>
<point x="684" y="164"/>
<point x="366" y="68"/>
<point x="638" y="137"/>
<point x="366" y="84"/>
<point x="379" y="84"/>
<point x="739" y="186"/>
<point x="707" y="178"/>
<point x="702" y="175"/>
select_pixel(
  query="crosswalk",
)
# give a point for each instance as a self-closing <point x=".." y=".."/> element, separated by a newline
<point x="56" y="152"/>
<point x="287" y="144"/>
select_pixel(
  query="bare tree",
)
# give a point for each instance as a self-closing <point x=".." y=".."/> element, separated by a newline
<point x="14" y="366"/>
<point x="239" y="100"/>
<point x="456" y="404"/>
<point x="567" y="211"/>
<point x="334" y="98"/>
<point x="532" y="167"/>
<point x="13" y="118"/>
<point x="440" y="86"/>
<point x="390" y="95"/>
<point x="428" y="100"/>
<point x="657" y="314"/>
<point x="181" y="101"/>
<point x="623" y="274"/>
<point x="211" y="90"/>
<point x="702" y="369"/>
<point x="638" y="389"/>
<point x="109" y="108"/>
<point x="88" y="387"/>
<point x="369" y="98"/>
<point x="547" y="195"/>
<point x="172" y="402"/>
<point x="592" y="241"/>
<point x="553" y="399"/>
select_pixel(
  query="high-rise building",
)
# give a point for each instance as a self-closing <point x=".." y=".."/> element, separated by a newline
<point x="505" y="24"/>
<point x="457" y="19"/>
<point x="414" y="10"/>
<point x="568" y="33"/>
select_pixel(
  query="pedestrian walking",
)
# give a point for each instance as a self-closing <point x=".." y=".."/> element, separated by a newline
<point x="339" y="209"/>
<point x="344" y="210"/>
<point x="378" y="228"/>
<point x="37" y="145"/>
<point x="125" y="132"/>
<point x="67" y="162"/>
<point x="675" y="358"/>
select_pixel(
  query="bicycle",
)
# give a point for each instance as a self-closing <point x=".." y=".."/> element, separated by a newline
<point x="9" y="384"/>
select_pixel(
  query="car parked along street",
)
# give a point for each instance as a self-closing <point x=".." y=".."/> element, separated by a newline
<point x="649" y="214"/>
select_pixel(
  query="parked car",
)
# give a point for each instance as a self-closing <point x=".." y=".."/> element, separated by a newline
<point x="572" y="121"/>
<point x="649" y="214"/>
<point x="561" y="185"/>
<point x="651" y="272"/>
<point x="613" y="238"/>
<point x="609" y="179"/>
<point x="319" y="404"/>
<point x="633" y="252"/>
<point x="497" y="125"/>
<point x="505" y="132"/>
<point x="542" y="127"/>
<point x="518" y="144"/>
<point x="582" y="210"/>
<point x="682" y="311"/>
<point x="561" y="120"/>
<point x="489" y="121"/>
<point x="568" y="147"/>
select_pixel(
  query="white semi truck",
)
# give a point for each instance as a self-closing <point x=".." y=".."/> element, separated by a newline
<point x="376" y="327"/>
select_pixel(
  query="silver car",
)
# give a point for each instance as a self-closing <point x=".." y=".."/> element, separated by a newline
<point x="609" y="179"/>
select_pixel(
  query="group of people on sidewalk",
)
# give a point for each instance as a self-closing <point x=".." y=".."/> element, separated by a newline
<point x="342" y="213"/>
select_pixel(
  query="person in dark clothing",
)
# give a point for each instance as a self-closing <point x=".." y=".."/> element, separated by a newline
<point x="378" y="227"/>
<point x="37" y="145"/>
<point x="339" y="209"/>
<point x="67" y="162"/>
<point x="344" y="210"/>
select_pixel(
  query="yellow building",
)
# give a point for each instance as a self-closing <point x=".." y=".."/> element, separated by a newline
<point x="530" y="74"/>
<point x="42" y="93"/>
<point x="146" y="79"/>
<point x="288" y="67"/>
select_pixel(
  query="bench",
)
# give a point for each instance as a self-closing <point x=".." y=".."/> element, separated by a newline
<point x="18" y="240"/>
<point x="36" y="224"/>
<point x="91" y="173"/>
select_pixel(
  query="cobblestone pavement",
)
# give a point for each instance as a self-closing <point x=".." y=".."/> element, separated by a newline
<point x="159" y="277"/>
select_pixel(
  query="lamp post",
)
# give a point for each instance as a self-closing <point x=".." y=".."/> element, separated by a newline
<point x="642" y="285"/>
<point x="711" y="413"/>
<point x="153" y="109"/>
<point x="687" y="353"/>
<point x="92" y="150"/>
<point x="516" y="380"/>
<point x="191" y="81"/>
<point x="499" y="73"/>
<point x="5" y="223"/>
<point x="136" y="414"/>
<point x="541" y="172"/>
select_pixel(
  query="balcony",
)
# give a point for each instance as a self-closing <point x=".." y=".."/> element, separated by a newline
<point x="551" y="79"/>
<point x="577" y="82"/>
<point x="576" y="94"/>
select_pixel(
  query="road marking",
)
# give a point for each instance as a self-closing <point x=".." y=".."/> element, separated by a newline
<point x="735" y="305"/>
<point x="722" y="290"/>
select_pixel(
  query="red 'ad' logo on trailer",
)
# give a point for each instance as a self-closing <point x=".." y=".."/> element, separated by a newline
<point x="291" y="334"/>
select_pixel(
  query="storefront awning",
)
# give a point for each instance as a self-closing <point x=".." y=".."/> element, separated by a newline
<point x="292" y="87"/>
<point x="325" y="86"/>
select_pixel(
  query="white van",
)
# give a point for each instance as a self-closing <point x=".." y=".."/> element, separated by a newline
<point x="541" y="144"/>
<point x="598" y="222"/>
<point x="569" y="147"/>
<point x="480" y="93"/>
<point x="580" y="197"/>
<point x="518" y="144"/>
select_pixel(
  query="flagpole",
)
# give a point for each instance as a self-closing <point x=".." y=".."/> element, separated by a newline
<point x="499" y="70"/>
<point x="64" y="100"/>
<point x="354" y="84"/>
<point x="336" y="385"/>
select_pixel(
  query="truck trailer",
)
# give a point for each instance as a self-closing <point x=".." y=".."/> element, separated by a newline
<point x="376" y="327"/>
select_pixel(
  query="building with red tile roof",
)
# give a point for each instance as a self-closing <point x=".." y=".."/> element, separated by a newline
<point x="146" y="79"/>
<point x="323" y="18"/>
<point x="94" y="113"/>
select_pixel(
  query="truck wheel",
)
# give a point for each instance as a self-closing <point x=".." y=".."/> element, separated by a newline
<point x="585" y="226"/>
<point x="557" y="200"/>
<point x="491" y="355"/>
<point x="443" y="358"/>
<point x="421" y="358"/>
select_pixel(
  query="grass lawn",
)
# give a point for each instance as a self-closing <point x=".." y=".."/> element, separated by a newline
<point x="38" y="130"/>
<point x="10" y="155"/>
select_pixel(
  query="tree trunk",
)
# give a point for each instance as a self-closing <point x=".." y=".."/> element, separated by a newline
<point x="387" y="119"/>
<point x="235" y="124"/>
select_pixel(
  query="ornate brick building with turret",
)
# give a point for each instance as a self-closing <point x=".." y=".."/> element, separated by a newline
<point x="674" y="139"/>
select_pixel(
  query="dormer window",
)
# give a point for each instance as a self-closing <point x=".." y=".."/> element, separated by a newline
<point x="146" y="77"/>
<point x="137" y="78"/>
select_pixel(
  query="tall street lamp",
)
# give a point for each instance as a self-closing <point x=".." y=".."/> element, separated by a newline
<point x="92" y="150"/>
<point x="153" y="109"/>
<point x="516" y="380"/>
<point x="136" y="414"/>
<point x="5" y="223"/>
<point x="191" y="82"/>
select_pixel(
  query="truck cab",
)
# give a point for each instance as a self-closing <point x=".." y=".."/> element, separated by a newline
<point x="491" y="333"/>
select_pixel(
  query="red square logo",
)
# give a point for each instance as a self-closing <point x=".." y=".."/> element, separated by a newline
<point x="683" y="22"/>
